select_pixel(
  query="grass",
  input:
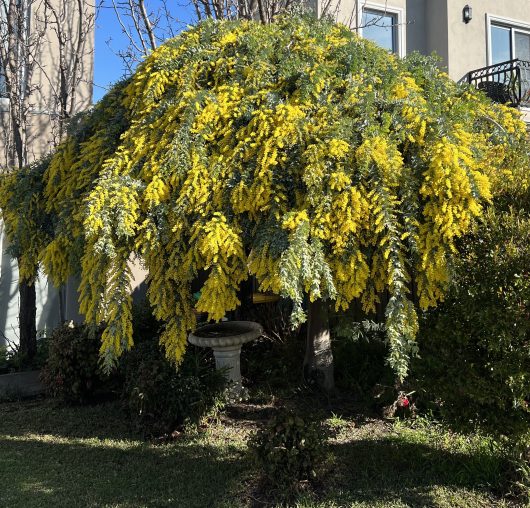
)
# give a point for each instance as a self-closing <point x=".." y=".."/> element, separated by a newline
<point x="52" y="456"/>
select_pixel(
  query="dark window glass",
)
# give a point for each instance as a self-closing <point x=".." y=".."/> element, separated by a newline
<point x="381" y="28"/>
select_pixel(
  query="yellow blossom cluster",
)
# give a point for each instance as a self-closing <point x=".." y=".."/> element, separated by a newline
<point x="296" y="153"/>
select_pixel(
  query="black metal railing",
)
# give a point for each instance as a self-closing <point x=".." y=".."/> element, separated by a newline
<point x="506" y="82"/>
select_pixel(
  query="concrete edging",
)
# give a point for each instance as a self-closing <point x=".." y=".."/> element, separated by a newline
<point x="20" y="385"/>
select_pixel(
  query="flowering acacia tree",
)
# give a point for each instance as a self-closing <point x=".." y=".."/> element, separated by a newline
<point x="294" y="152"/>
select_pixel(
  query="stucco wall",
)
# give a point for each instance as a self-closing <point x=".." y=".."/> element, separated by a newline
<point x="416" y="33"/>
<point x="40" y="140"/>
<point x="45" y="77"/>
<point x="47" y="299"/>
<point x="468" y="42"/>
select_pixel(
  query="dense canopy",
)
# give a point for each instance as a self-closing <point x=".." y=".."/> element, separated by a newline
<point x="295" y="152"/>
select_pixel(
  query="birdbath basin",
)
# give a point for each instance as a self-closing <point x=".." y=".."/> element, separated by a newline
<point x="226" y="339"/>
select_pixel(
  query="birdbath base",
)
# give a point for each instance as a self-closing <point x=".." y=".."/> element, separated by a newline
<point x="228" y="359"/>
<point x="226" y="339"/>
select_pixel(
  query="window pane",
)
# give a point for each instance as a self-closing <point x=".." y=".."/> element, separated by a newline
<point x="381" y="28"/>
<point x="522" y="46"/>
<point x="500" y="44"/>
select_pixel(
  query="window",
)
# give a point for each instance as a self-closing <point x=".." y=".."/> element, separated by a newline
<point x="380" y="27"/>
<point x="383" y="25"/>
<point x="508" y="42"/>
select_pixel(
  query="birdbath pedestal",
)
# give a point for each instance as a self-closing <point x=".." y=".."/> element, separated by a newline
<point x="226" y="339"/>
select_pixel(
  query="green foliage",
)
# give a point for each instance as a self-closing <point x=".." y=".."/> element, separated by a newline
<point x="517" y="456"/>
<point x="12" y="360"/>
<point x="287" y="451"/>
<point x="273" y="362"/>
<point x="72" y="372"/>
<point x="475" y="348"/>
<point x="28" y="225"/>
<point x="157" y="396"/>
<point x="4" y="360"/>
<point x="359" y="352"/>
<point x="295" y="152"/>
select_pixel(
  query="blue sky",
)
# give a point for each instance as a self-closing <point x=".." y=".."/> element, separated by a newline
<point x="108" y="66"/>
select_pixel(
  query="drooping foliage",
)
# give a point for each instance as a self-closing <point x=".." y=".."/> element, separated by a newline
<point x="475" y="347"/>
<point x="26" y="223"/>
<point x="296" y="152"/>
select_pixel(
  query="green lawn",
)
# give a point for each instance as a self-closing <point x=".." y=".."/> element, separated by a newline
<point x="52" y="456"/>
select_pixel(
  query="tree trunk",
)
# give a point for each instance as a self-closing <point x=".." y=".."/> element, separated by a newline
<point x="27" y="317"/>
<point x="318" y="361"/>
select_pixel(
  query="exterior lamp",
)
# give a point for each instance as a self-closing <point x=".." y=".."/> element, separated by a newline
<point x="467" y="14"/>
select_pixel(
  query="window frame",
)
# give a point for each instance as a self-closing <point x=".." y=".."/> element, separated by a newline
<point x="385" y="9"/>
<point x="512" y="24"/>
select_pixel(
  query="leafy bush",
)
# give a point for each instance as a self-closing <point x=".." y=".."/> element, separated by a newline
<point x="288" y="451"/>
<point x="160" y="397"/>
<point x="273" y="362"/>
<point x="12" y="360"/>
<point x="518" y="459"/>
<point x="4" y="360"/>
<point x="475" y="348"/>
<point x="359" y="350"/>
<point x="71" y="372"/>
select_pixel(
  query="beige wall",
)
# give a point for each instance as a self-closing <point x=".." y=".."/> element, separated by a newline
<point x="468" y="42"/>
<point x="348" y="11"/>
<point x="42" y="134"/>
<point x="437" y="26"/>
<point x="42" y="125"/>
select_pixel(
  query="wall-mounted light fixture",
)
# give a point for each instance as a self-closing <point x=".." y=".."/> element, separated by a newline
<point x="467" y="14"/>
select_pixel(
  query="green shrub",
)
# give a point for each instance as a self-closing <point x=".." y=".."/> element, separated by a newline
<point x="273" y="362"/>
<point x="72" y="372"/>
<point x="287" y="451"/>
<point x="475" y="348"/>
<point x="13" y="360"/>
<point x="359" y="351"/>
<point x="4" y="360"/>
<point x="159" y="397"/>
<point x="518" y="459"/>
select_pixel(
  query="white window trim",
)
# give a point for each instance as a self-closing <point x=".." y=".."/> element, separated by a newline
<point x="508" y="22"/>
<point x="400" y="27"/>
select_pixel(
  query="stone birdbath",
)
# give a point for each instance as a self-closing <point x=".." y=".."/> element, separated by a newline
<point x="226" y="339"/>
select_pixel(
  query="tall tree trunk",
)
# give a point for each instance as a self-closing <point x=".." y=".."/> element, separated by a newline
<point x="27" y="318"/>
<point x="318" y="361"/>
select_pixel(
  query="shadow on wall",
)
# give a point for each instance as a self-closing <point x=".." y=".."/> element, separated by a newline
<point x="48" y="314"/>
<point x="8" y="298"/>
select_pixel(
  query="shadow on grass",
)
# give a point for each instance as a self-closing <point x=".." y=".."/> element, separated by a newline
<point x="58" y="473"/>
<point x="102" y="421"/>
<point x="388" y="470"/>
<point x="86" y="456"/>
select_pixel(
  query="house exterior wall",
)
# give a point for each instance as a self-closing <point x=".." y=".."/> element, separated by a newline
<point x="47" y="298"/>
<point x="416" y="31"/>
<point x="437" y="26"/>
<point x="468" y="43"/>
<point x="41" y="132"/>
<point x="42" y="136"/>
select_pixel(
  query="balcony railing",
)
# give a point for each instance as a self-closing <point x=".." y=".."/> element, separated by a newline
<point x="506" y="82"/>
